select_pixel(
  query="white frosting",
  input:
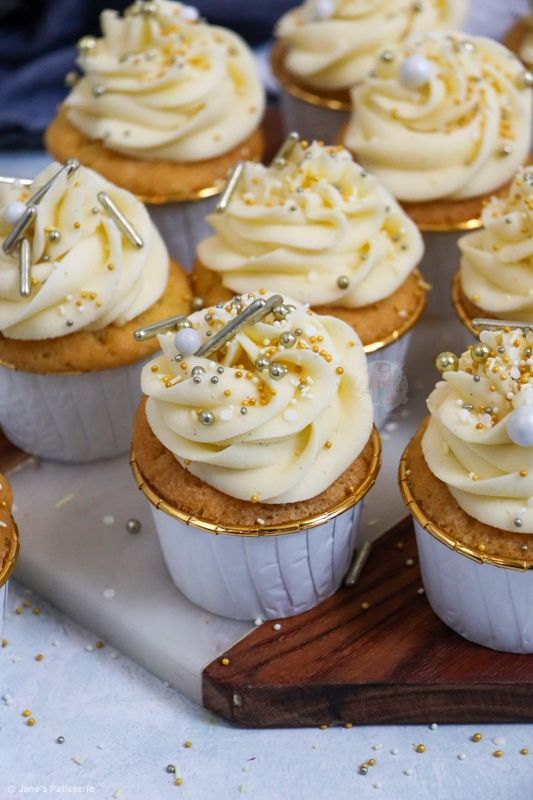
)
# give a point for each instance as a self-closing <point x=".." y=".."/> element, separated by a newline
<point x="297" y="229"/>
<point x="466" y="443"/>
<point x="445" y="139"/>
<point x="497" y="261"/>
<point x="92" y="276"/>
<point x="292" y="443"/>
<point x="172" y="88"/>
<point x="338" y="51"/>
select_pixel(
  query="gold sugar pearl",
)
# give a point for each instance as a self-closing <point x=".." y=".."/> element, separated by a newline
<point x="524" y="751"/>
<point x="365" y="606"/>
<point x="39" y="657"/>
<point x="339" y="370"/>
<point x="371" y="762"/>
<point x="225" y="661"/>
<point x="498" y="753"/>
<point x="477" y="737"/>
<point x="30" y="722"/>
<point x="254" y="499"/>
<point x="4" y="642"/>
<point x="328" y="444"/>
<point x="178" y="781"/>
<point x="187" y="744"/>
<point x="154" y="368"/>
<point x="26" y="712"/>
<point x="420" y="748"/>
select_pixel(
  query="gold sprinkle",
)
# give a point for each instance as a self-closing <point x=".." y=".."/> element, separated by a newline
<point x="39" y="657"/>
<point x="110" y="267"/>
<point x="99" y="644"/>
<point x="26" y="603"/>
<point x="4" y="642"/>
<point x="524" y="751"/>
<point x="365" y="606"/>
<point x="339" y="370"/>
<point x="348" y="725"/>
<point x="187" y="461"/>
<point x="420" y="748"/>
<point x="254" y="498"/>
<point x="477" y="737"/>
<point x="523" y="473"/>
<point x="18" y="610"/>
<point x="227" y="392"/>
<point x="225" y="661"/>
<point x="77" y="225"/>
<point x="328" y="444"/>
<point x="498" y="753"/>
<point x="26" y="712"/>
<point x="187" y="744"/>
<point x="371" y="762"/>
<point x="178" y="781"/>
<point x="154" y="368"/>
<point x="323" y="727"/>
<point x="30" y="722"/>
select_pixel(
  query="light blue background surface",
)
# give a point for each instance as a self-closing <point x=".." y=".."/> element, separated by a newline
<point x="125" y="726"/>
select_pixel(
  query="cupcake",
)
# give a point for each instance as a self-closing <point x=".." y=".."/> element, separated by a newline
<point x="444" y="123"/>
<point x="166" y="106"/>
<point x="520" y="40"/>
<point x="495" y="278"/>
<point x="72" y="290"/>
<point x="315" y="226"/>
<point x="249" y="442"/>
<point x="9" y="541"/>
<point x="467" y="479"/>
<point x="325" y="47"/>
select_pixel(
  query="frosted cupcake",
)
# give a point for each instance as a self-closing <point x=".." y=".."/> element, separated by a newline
<point x="444" y="122"/>
<point x="467" y="478"/>
<point x="9" y="541"/>
<point x="520" y="40"/>
<point x="495" y="277"/>
<point x="250" y="443"/>
<point x="320" y="229"/>
<point x="72" y="290"/>
<point x="325" y="47"/>
<point x="166" y="106"/>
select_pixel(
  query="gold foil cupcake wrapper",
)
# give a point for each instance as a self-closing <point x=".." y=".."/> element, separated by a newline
<point x="471" y="224"/>
<point x="474" y="554"/>
<point x="406" y="326"/>
<point x="278" y="529"/>
<point x="11" y="557"/>
<point x="306" y="94"/>
<point x="183" y="197"/>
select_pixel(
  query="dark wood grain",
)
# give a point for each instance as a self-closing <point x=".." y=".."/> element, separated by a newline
<point x="393" y="663"/>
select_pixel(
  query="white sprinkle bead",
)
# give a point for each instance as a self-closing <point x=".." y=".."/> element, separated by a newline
<point x="394" y="751"/>
<point x="289" y="415"/>
<point x="415" y="72"/>
<point x="323" y="9"/>
<point x="408" y="771"/>
<point x="190" y="13"/>
<point x="226" y="414"/>
<point x="13" y="212"/>
<point x="277" y="626"/>
<point x="461" y="756"/>
<point x="520" y="426"/>
<point x="433" y="726"/>
<point x="187" y="341"/>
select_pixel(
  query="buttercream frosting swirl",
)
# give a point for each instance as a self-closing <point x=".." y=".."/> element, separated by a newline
<point x="86" y="275"/>
<point x="464" y="132"/>
<point x="160" y="86"/>
<point x="304" y="228"/>
<point x="467" y="443"/>
<point x="497" y="261"/>
<point x="332" y="43"/>
<point x="274" y="441"/>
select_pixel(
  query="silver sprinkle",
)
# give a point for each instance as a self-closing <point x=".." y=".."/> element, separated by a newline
<point x="244" y="410"/>
<point x="280" y="159"/>
<point x="120" y="220"/>
<point x="231" y="184"/>
<point x="498" y="325"/>
<point x="506" y="149"/>
<point x="343" y="281"/>
<point x="356" y="567"/>
<point x="517" y="522"/>
<point x="25" y="259"/>
<point x="168" y="324"/>
<point x="133" y="526"/>
<point x="214" y="379"/>
<point x="206" y="417"/>
<point x="99" y="91"/>
<point x="387" y="56"/>
<point x="253" y="313"/>
<point x="197" y="303"/>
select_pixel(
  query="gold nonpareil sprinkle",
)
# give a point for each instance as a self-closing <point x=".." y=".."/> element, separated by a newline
<point x="225" y="661"/>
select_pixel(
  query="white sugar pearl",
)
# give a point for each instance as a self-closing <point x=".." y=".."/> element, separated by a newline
<point x="520" y="426"/>
<point x="187" y="341"/>
<point x="323" y="9"/>
<point x="13" y="212"/>
<point x="190" y="13"/>
<point x="415" y="72"/>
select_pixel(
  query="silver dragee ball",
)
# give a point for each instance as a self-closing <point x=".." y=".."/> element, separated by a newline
<point x="13" y="212"/>
<point x="520" y="426"/>
<point x="415" y="71"/>
<point x="187" y="341"/>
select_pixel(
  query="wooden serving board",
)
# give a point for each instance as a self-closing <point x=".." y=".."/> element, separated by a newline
<point x="391" y="662"/>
